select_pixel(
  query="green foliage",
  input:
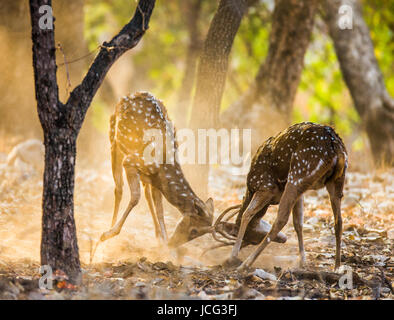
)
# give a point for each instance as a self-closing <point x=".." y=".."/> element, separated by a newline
<point x="379" y="15"/>
<point x="249" y="49"/>
<point x="159" y="60"/>
<point x="323" y="96"/>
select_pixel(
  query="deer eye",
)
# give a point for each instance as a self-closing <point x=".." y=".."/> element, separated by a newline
<point x="193" y="232"/>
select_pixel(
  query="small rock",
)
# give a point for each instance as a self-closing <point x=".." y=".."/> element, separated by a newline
<point x="264" y="275"/>
<point x="308" y="228"/>
<point x="108" y="274"/>
<point x="202" y="295"/>
<point x="312" y="221"/>
<point x="378" y="260"/>
<point x="157" y="281"/>
<point x="159" y="266"/>
<point x="385" y="290"/>
<point x="390" y="234"/>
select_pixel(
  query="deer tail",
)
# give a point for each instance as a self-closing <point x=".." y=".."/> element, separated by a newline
<point x="340" y="166"/>
<point x="340" y="150"/>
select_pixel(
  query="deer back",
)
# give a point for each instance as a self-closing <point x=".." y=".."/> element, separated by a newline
<point x="135" y="116"/>
<point x="294" y="154"/>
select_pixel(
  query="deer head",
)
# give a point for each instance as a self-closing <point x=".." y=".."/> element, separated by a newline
<point x="194" y="224"/>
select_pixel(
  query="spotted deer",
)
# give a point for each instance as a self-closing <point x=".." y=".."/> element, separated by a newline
<point x="134" y="116"/>
<point x="305" y="156"/>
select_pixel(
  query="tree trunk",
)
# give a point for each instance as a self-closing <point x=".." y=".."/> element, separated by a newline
<point x="211" y="76"/>
<point x="61" y="124"/>
<point x="59" y="247"/>
<point x="212" y="68"/>
<point x="277" y="80"/>
<point x="360" y="69"/>
<point x="192" y="12"/>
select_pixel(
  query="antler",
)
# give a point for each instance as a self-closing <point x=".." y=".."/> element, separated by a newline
<point x="215" y="229"/>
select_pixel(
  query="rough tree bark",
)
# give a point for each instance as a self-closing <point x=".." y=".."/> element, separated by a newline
<point x="360" y="70"/>
<point x="211" y="76"/>
<point x="192" y="10"/>
<point x="277" y="80"/>
<point x="213" y="64"/>
<point x="61" y="124"/>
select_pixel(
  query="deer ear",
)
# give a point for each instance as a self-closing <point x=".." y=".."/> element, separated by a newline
<point x="209" y="204"/>
<point x="200" y="208"/>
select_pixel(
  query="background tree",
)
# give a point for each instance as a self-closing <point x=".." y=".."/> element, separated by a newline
<point x="275" y="85"/>
<point x="61" y="124"/>
<point x="361" y="72"/>
<point x="211" y="75"/>
<point x="191" y="12"/>
<point x="322" y="95"/>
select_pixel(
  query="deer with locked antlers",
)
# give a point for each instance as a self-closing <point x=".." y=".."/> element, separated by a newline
<point x="133" y="118"/>
<point x="303" y="157"/>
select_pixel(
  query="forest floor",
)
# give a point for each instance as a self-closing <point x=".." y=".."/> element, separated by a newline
<point x="134" y="266"/>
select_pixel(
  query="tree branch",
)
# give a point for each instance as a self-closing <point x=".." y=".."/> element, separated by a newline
<point x="81" y="97"/>
<point x="44" y="64"/>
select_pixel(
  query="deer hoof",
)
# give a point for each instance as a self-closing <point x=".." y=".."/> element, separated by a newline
<point x="107" y="235"/>
<point x="232" y="263"/>
<point x="302" y="262"/>
<point x="243" y="267"/>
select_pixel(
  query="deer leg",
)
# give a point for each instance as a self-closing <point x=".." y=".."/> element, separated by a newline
<point x="335" y="190"/>
<point x="295" y="187"/>
<point x="134" y="184"/>
<point x="259" y="200"/>
<point x="148" y="197"/>
<point x="286" y="203"/>
<point x="158" y="201"/>
<point x="117" y="172"/>
<point x="298" y="216"/>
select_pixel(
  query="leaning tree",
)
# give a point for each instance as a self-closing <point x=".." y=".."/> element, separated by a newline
<point x="361" y="72"/>
<point x="277" y="79"/>
<point x="211" y="75"/>
<point x="61" y="123"/>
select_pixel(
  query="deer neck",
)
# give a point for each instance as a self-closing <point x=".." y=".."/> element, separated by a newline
<point x="175" y="188"/>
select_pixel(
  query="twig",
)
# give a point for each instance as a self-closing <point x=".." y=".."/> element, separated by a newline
<point x="143" y="17"/>
<point x="68" y="86"/>
<point x="80" y="58"/>
<point x="280" y="277"/>
<point x="215" y="247"/>
<point x="327" y="277"/>
<point x="90" y="53"/>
